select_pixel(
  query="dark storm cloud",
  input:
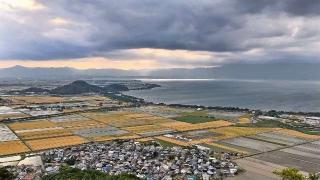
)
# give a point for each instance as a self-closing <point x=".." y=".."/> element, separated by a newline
<point x="292" y="7"/>
<point x="99" y="27"/>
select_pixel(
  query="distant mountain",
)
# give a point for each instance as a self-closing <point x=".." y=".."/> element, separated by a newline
<point x="37" y="73"/>
<point x="35" y="90"/>
<point x="280" y="71"/>
<point x="77" y="87"/>
<point x="276" y="71"/>
<point x="21" y="72"/>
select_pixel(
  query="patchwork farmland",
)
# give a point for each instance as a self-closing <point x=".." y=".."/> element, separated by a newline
<point x="170" y="127"/>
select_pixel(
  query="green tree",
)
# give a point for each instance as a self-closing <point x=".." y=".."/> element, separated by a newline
<point x="68" y="173"/>
<point x="313" y="176"/>
<point x="289" y="174"/>
<point x="5" y="174"/>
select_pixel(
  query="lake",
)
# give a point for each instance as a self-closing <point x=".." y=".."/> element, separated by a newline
<point x="253" y="94"/>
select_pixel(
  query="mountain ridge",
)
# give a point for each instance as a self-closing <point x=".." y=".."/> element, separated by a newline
<point x="280" y="71"/>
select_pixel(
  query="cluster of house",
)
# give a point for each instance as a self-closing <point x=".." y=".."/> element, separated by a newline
<point x="147" y="161"/>
<point x="179" y="137"/>
<point x="56" y="107"/>
<point x="295" y="120"/>
<point x="309" y="120"/>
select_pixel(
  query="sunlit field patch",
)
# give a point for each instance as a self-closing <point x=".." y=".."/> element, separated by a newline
<point x="182" y="126"/>
<point x="147" y="139"/>
<point x="172" y="140"/>
<point x="229" y="132"/>
<point x="72" y="125"/>
<point x="48" y="143"/>
<point x="126" y="119"/>
<point x="298" y="134"/>
<point x="35" y="99"/>
<point x="38" y="124"/>
<point x="12" y="147"/>
<point x="244" y="119"/>
<point x="177" y="125"/>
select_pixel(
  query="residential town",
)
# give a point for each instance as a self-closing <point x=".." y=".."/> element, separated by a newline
<point x="145" y="160"/>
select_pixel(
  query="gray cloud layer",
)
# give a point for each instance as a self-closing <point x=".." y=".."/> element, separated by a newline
<point x="250" y="30"/>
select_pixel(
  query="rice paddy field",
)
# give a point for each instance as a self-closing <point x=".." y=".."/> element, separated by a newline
<point x="6" y="134"/>
<point x="46" y="99"/>
<point x="261" y="146"/>
<point x="183" y="126"/>
<point x="72" y="117"/>
<point x="74" y="125"/>
<point x="231" y="131"/>
<point x="37" y="124"/>
<point x="100" y="131"/>
<point x="305" y="157"/>
<point x="44" y="134"/>
<point x="169" y="126"/>
<point x="9" y="113"/>
<point x="12" y="147"/>
<point x="127" y="119"/>
<point x="48" y="143"/>
<point x="20" y="100"/>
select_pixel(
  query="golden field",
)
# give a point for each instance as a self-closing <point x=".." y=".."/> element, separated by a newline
<point x="201" y="140"/>
<point x="79" y="124"/>
<point x="182" y="126"/>
<point x="85" y="98"/>
<point x="48" y="143"/>
<point x="230" y="132"/>
<point x="12" y="147"/>
<point x="298" y="134"/>
<point x="44" y="134"/>
<point x="35" y="99"/>
<point x="172" y="140"/>
<point x="244" y="119"/>
<point x="38" y="124"/>
<point x="18" y="115"/>
<point x="145" y="139"/>
<point x="175" y="124"/>
<point x="126" y="119"/>
<point x="145" y="128"/>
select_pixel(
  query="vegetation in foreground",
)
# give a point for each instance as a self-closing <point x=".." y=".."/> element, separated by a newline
<point x="5" y="174"/>
<point x="68" y="173"/>
<point x="294" y="174"/>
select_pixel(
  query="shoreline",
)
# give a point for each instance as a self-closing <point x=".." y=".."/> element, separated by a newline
<point x="223" y="108"/>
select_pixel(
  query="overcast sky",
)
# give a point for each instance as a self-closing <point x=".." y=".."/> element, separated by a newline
<point x="139" y="34"/>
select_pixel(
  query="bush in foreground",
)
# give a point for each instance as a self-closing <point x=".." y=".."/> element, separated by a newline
<point x="294" y="174"/>
<point x="68" y="173"/>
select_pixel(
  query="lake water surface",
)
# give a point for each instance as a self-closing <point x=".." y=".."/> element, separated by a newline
<point x="260" y="94"/>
